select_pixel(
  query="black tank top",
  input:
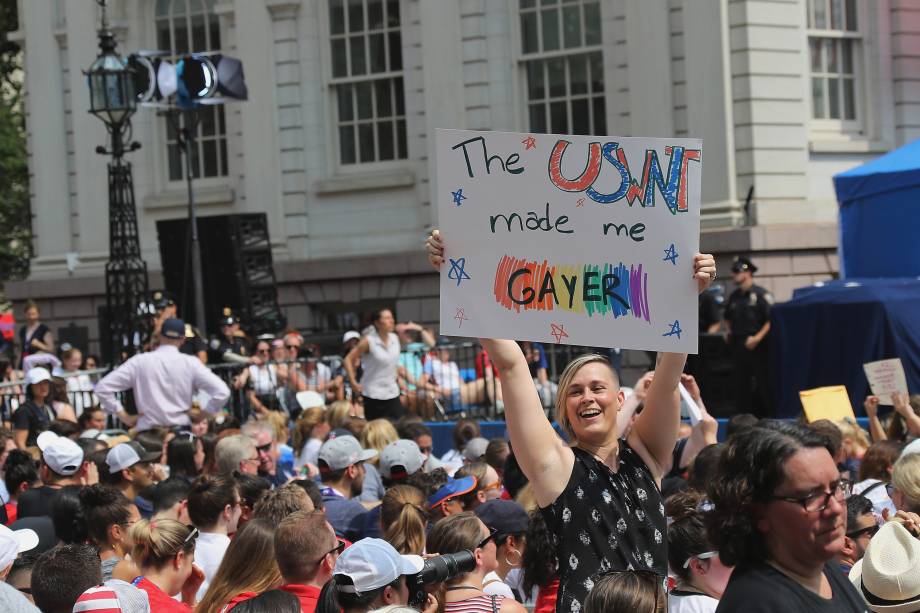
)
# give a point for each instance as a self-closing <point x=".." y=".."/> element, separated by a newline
<point x="605" y="521"/>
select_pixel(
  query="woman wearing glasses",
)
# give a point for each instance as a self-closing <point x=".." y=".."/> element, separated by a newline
<point x="779" y="517"/>
<point x="163" y="551"/>
<point x="600" y="494"/>
<point x="463" y="593"/>
<point x="109" y="517"/>
<point x="261" y="380"/>
<point x="701" y="576"/>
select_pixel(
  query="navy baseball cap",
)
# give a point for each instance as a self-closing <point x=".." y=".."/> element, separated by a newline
<point x="173" y="328"/>
<point x="506" y="516"/>
<point x="452" y="489"/>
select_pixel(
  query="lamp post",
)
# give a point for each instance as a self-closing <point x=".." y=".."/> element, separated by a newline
<point x="113" y="99"/>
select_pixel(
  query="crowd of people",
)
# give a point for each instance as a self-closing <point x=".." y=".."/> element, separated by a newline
<point x="339" y="502"/>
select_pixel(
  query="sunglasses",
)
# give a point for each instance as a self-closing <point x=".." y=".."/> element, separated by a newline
<point x="868" y="530"/>
<point x="701" y="556"/>
<point x="337" y="550"/>
<point x="485" y="541"/>
<point x="291" y="347"/>
<point x="185" y="434"/>
<point x="264" y="448"/>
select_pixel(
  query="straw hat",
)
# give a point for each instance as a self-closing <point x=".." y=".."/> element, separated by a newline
<point x="888" y="576"/>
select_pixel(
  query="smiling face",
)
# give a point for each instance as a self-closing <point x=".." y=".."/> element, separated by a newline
<point x="790" y="531"/>
<point x="592" y="400"/>
<point x="73" y="360"/>
<point x="268" y="452"/>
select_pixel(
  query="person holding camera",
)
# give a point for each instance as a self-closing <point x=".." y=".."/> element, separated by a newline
<point x="463" y="591"/>
<point x="372" y="574"/>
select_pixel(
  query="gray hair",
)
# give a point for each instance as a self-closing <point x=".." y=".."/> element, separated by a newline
<point x="232" y="450"/>
<point x="253" y="429"/>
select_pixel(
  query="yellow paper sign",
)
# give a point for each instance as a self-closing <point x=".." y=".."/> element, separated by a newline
<point x="830" y="402"/>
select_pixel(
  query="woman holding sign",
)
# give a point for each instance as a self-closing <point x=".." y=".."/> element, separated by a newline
<point x="600" y="494"/>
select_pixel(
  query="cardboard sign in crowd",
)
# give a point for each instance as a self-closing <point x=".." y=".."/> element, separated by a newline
<point x="584" y="240"/>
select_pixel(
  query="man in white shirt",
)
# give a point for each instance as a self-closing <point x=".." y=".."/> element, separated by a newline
<point x="214" y="506"/>
<point x="164" y="382"/>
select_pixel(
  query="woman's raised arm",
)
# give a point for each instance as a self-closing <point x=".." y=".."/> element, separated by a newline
<point x="542" y="455"/>
<point x="655" y="430"/>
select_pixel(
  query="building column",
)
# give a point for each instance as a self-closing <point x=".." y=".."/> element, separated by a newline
<point x="48" y="150"/>
<point x="651" y="107"/>
<point x="710" y="114"/>
<point x="90" y="170"/>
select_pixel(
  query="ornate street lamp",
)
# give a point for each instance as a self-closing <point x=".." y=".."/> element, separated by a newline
<point x="113" y="99"/>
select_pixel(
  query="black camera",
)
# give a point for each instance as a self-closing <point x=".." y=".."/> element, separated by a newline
<point x="436" y="570"/>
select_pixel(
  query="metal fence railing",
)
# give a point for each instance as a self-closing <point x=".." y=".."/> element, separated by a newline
<point x="437" y="383"/>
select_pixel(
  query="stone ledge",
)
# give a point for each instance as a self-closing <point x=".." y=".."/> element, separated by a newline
<point x="204" y="196"/>
<point x="380" y="265"/>
<point x="770" y="238"/>
<point x="363" y="182"/>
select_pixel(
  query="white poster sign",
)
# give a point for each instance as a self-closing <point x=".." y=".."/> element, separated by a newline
<point x="582" y="240"/>
<point x="886" y="377"/>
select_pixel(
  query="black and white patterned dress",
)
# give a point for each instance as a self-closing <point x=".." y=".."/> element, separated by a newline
<point x="605" y="521"/>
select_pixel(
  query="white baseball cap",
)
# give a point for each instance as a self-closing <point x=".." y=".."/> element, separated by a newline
<point x="61" y="454"/>
<point x="373" y="563"/>
<point x="37" y="375"/>
<point x="343" y="451"/>
<point x="402" y="453"/>
<point x="14" y="542"/>
<point x="351" y="334"/>
<point x="308" y="399"/>
<point x="126" y="455"/>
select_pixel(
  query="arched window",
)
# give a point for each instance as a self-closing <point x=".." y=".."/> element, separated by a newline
<point x="185" y="26"/>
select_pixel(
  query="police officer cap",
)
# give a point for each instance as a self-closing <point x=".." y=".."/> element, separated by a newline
<point x="161" y="301"/>
<point x="227" y="318"/>
<point x="742" y="265"/>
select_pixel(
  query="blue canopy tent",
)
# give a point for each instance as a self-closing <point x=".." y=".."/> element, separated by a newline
<point x="880" y="216"/>
<point x="827" y="332"/>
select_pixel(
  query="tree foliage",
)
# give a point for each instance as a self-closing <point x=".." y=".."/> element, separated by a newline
<point x="15" y="217"/>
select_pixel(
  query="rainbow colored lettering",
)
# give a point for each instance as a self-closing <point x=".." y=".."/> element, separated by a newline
<point x="602" y="289"/>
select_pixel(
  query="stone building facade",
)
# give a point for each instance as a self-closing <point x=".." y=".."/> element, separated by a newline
<point x="335" y="142"/>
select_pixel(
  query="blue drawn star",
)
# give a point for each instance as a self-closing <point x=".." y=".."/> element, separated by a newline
<point x="457" y="270"/>
<point x="670" y="255"/>
<point x="675" y="330"/>
<point x="458" y="196"/>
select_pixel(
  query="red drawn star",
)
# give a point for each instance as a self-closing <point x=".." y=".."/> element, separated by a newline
<point x="460" y="317"/>
<point x="558" y="332"/>
<point x="529" y="143"/>
<point x="581" y="202"/>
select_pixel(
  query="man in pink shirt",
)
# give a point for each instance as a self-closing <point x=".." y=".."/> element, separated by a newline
<point x="164" y="382"/>
<point x="306" y="549"/>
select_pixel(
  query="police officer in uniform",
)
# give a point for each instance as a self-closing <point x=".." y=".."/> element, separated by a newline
<point x="194" y="344"/>
<point x="230" y="346"/>
<point x="747" y="316"/>
<point x="164" y="308"/>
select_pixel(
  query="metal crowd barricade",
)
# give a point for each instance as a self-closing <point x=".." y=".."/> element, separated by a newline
<point x="13" y="393"/>
<point x="267" y="381"/>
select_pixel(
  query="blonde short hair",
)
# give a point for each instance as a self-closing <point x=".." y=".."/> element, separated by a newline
<point x="377" y="434"/>
<point x="565" y="381"/>
<point x="905" y="476"/>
